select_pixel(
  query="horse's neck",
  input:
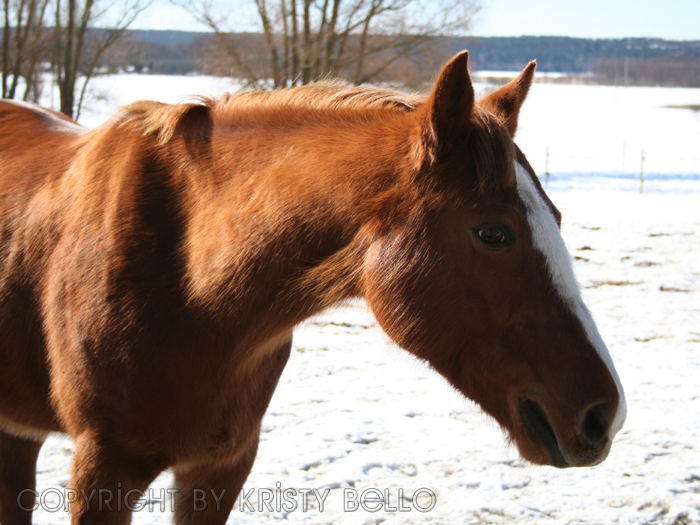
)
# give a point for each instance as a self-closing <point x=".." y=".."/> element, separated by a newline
<point x="285" y="236"/>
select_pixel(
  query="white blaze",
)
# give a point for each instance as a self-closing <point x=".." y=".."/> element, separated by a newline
<point x="548" y="240"/>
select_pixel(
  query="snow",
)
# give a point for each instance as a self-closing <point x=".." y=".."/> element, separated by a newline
<point x="606" y="129"/>
<point x="353" y="412"/>
<point x="506" y="75"/>
<point x="108" y="92"/>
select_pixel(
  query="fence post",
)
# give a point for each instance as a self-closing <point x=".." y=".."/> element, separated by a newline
<point x="641" y="174"/>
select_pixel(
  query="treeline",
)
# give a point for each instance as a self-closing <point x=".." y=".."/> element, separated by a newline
<point x="627" y="61"/>
<point x="659" y="71"/>
<point x="638" y="61"/>
<point x="203" y="53"/>
<point x="569" y="55"/>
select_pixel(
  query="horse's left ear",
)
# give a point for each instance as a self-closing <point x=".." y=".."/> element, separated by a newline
<point x="505" y="102"/>
<point x="447" y="112"/>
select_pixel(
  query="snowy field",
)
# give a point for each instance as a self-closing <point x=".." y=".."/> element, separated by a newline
<point x="353" y="412"/>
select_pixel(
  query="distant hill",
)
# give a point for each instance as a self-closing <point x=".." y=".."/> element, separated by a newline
<point x="564" y="54"/>
<point x="166" y="38"/>
<point x="168" y="52"/>
<point x="644" y="60"/>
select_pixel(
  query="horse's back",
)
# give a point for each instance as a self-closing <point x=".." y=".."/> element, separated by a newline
<point x="36" y="147"/>
<point x="34" y="142"/>
<point x="17" y="116"/>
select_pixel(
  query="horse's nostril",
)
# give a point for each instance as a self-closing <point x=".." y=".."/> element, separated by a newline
<point x="536" y="421"/>
<point x="595" y="425"/>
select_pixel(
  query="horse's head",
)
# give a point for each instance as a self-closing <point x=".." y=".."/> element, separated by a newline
<point x="475" y="278"/>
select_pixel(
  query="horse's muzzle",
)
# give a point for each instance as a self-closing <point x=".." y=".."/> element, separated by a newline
<point x="591" y="432"/>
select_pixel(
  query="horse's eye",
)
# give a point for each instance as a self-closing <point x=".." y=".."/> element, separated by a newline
<point x="494" y="235"/>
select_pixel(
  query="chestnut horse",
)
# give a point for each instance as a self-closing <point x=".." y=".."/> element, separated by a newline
<point x="153" y="270"/>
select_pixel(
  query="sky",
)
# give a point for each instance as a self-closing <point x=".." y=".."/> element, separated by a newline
<point x="669" y="19"/>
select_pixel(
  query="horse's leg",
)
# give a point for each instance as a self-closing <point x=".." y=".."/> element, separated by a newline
<point x="17" y="478"/>
<point x="106" y="485"/>
<point x="206" y="494"/>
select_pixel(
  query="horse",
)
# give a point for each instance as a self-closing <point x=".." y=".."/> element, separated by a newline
<point x="152" y="271"/>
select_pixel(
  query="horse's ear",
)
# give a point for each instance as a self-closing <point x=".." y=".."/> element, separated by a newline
<point x="449" y="108"/>
<point x="505" y="102"/>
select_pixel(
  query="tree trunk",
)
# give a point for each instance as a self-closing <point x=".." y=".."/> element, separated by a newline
<point x="331" y="56"/>
<point x="19" y="49"/>
<point x="319" y="63"/>
<point x="268" y="32"/>
<point x="5" y="46"/>
<point x="295" y="44"/>
<point x="66" y="82"/>
<point x="285" y="36"/>
<point x="363" y="48"/>
<point x="306" y="73"/>
<point x="35" y="53"/>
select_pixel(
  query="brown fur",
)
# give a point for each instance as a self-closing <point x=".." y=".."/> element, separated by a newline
<point x="152" y="271"/>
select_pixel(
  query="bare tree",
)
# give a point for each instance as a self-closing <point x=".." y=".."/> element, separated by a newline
<point x="78" y="47"/>
<point x="307" y="40"/>
<point x="74" y="47"/>
<point x="23" y="46"/>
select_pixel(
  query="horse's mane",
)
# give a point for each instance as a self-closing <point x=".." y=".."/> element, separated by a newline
<point x="162" y="120"/>
<point x="325" y="96"/>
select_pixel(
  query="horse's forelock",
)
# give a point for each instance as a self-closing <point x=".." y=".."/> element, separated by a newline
<point x="490" y="152"/>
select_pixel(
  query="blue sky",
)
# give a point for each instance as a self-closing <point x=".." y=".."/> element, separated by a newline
<point x="670" y="19"/>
